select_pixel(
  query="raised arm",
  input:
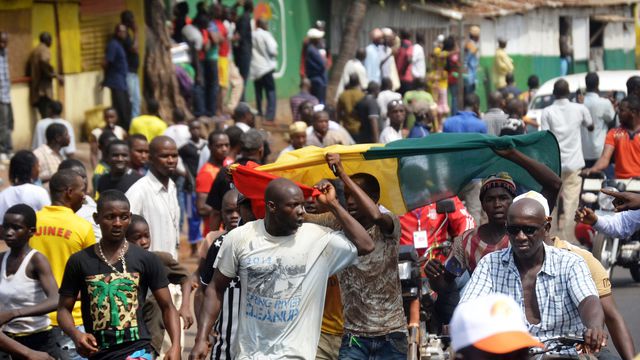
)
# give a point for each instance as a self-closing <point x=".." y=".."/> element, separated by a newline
<point x="366" y="205"/>
<point x="170" y="320"/>
<point x="352" y="228"/>
<point x="209" y="314"/>
<point x="550" y="182"/>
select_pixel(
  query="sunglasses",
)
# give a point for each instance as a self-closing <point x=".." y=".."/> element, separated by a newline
<point x="514" y="230"/>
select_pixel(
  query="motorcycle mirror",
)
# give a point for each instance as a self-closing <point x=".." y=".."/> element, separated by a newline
<point x="445" y="206"/>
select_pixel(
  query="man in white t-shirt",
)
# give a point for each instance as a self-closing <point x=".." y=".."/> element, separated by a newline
<point x="397" y="116"/>
<point x="283" y="265"/>
<point x="565" y="119"/>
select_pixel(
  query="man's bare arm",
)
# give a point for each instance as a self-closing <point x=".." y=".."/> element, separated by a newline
<point x="617" y="328"/>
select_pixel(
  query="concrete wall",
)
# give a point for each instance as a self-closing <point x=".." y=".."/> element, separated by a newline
<point x="534" y="46"/>
<point x="82" y="92"/>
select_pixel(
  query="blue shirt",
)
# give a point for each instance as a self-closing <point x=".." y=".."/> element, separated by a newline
<point x="464" y="122"/>
<point x="419" y="131"/>
<point x="620" y="225"/>
<point x="372" y="63"/>
<point x="314" y="64"/>
<point x="115" y="75"/>
<point x="562" y="283"/>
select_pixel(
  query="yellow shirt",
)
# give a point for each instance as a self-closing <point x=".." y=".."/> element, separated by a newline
<point x="598" y="273"/>
<point x="59" y="234"/>
<point x="148" y="125"/>
<point x="332" y="321"/>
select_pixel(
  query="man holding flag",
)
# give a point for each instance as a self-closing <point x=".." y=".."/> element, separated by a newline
<point x="283" y="265"/>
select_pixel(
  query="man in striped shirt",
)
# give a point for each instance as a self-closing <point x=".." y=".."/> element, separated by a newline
<point x="553" y="287"/>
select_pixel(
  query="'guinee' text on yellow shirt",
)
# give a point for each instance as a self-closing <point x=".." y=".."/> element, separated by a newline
<point x="59" y="234"/>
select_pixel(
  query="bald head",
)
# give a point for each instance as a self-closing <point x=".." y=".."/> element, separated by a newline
<point x="160" y="142"/>
<point x="376" y="36"/>
<point x="281" y="190"/>
<point x="526" y="208"/>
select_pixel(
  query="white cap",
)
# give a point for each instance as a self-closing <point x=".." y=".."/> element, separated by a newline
<point x="537" y="197"/>
<point x="314" y="33"/>
<point x="318" y="107"/>
<point x="387" y="31"/>
<point x="492" y="323"/>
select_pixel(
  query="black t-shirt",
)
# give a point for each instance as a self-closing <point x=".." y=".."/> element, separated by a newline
<point x="112" y="302"/>
<point x="190" y="155"/>
<point x="220" y="186"/>
<point x="122" y="183"/>
<point x="206" y="272"/>
<point x="367" y="106"/>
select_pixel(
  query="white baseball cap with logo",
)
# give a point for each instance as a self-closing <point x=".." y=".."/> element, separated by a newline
<point x="492" y="323"/>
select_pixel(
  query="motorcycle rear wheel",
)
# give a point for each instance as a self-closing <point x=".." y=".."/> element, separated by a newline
<point x="602" y="248"/>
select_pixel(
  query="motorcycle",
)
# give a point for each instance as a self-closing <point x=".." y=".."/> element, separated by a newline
<point x="423" y="344"/>
<point x="558" y="343"/>
<point x="611" y="251"/>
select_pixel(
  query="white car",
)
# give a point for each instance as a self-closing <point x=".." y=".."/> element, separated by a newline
<point x="613" y="83"/>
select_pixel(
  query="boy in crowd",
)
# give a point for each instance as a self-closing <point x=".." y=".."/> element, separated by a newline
<point x="28" y="290"/>
<point x="138" y="153"/>
<point x="138" y="234"/>
<point x="112" y="279"/>
<point x="190" y="153"/>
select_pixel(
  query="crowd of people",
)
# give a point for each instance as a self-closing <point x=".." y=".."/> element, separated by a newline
<point x="93" y="271"/>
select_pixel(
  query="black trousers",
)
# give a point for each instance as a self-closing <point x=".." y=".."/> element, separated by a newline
<point x="42" y="105"/>
<point x="120" y="102"/>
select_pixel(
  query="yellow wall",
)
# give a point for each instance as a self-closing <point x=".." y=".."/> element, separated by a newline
<point x="21" y="135"/>
<point x="81" y="90"/>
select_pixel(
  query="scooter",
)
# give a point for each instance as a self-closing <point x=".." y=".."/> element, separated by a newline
<point x="611" y="251"/>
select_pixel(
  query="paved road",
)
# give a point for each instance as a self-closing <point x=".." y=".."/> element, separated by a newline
<point x="625" y="291"/>
<point x="627" y="296"/>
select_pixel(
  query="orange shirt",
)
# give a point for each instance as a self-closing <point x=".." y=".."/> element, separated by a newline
<point x="204" y="181"/>
<point x="627" y="153"/>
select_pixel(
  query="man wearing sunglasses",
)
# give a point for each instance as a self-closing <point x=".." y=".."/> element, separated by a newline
<point x="553" y="286"/>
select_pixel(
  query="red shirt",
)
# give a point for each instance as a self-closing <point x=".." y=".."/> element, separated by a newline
<point x="438" y="231"/>
<point x="223" y="47"/>
<point x="204" y="181"/>
<point x="403" y="61"/>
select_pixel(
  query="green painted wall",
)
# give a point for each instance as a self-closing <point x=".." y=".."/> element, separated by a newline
<point x="619" y="59"/>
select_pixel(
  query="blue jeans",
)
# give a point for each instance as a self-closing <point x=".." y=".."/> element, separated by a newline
<point x="133" y="84"/>
<point x="453" y="93"/>
<point x="564" y="65"/>
<point x="386" y="347"/>
<point x="266" y="84"/>
<point x="193" y="218"/>
<point x="66" y="345"/>
<point x="319" y="88"/>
